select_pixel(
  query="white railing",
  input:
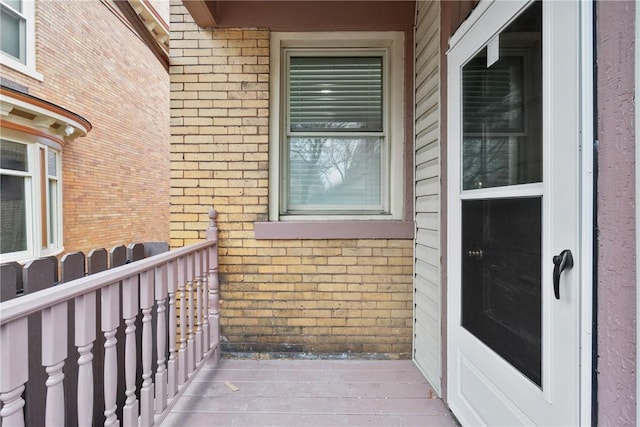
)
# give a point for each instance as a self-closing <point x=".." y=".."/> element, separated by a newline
<point x="186" y="277"/>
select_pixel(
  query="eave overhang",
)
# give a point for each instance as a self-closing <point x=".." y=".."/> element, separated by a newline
<point x="29" y="114"/>
<point x="203" y="12"/>
<point x="153" y="22"/>
<point x="303" y="15"/>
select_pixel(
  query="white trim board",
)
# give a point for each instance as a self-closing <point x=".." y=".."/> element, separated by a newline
<point x="586" y="209"/>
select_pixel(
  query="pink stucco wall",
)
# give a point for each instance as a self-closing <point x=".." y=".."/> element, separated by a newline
<point x="616" y="214"/>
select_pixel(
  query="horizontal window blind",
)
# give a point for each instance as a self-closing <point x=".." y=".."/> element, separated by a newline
<point x="337" y="94"/>
<point x="13" y="156"/>
<point x="493" y="98"/>
<point x="335" y="172"/>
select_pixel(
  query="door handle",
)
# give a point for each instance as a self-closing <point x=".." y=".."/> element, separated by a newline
<point x="561" y="263"/>
<point x="476" y="254"/>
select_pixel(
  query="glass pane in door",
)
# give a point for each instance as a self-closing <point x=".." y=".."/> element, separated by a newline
<point x="501" y="238"/>
<point x="502" y="107"/>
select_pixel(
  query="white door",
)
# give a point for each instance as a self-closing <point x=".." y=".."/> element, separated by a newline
<point x="513" y="168"/>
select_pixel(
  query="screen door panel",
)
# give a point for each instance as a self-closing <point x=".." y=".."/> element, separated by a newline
<point x="501" y="278"/>
<point x="502" y="237"/>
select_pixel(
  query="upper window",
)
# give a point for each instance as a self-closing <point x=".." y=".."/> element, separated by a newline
<point x="30" y="200"/>
<point x="337" y="126"/>
<point x="14" y="30"/>
<point x="17" y="27"/>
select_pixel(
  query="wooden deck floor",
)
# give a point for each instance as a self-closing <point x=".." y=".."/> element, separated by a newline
<point x="309" y="393"/>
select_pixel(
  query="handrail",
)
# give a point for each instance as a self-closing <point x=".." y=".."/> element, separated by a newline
<point x="32" y="303"/>
<point x="149" y="325"/>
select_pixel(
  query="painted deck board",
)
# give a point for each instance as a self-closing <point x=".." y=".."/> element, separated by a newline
<point x="309" y="393"/>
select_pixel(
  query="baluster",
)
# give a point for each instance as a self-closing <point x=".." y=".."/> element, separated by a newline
<point x="182" y="352"/>
<point x="109" y="324"/>
<point x="161" y="339"/>
<point x="190" y="311"/>
<point x="205" y="302"/>
<point x="146" y="392"/>
<point x="172" y="366"/>
<point x="129" y="312"/>
<point x="213" y="284"/>
<point x="198" y="314"/>
<point x="14" y="371"/>
<point x="85" y="335"/>
<point x="214" y="307"/>
<point x="54" y="353"/>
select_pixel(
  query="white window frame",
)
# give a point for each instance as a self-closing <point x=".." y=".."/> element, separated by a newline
<point x="392" y="43"/>
<point x="29" y="66"/>
<point x="34" y="193"/>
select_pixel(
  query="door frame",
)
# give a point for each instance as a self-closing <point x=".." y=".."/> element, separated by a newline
<point x="586" y="202"/>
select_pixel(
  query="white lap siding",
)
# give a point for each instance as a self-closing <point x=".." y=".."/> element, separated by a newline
<point x="427" y="295"/>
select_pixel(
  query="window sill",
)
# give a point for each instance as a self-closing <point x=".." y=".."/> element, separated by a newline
<point x="25" y="257"/>
<point x="18" y="66"/>
<point x="334" y="230"/>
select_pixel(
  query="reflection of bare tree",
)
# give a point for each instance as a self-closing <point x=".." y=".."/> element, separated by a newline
<point x="493" y="121"/>
<point x="340" y="155"/>
<point x="306" y="153"/>
<point x="486" y="162"/>
<point x="332" y="170"/>
<point x="327" y="156"/>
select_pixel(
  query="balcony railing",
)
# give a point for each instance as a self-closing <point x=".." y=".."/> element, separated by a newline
<point x="176" y="297"/>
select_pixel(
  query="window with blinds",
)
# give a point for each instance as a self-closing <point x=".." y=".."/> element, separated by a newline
<point x="335" y="134"/>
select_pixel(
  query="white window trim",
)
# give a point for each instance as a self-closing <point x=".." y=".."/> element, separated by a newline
<point x="394" y="42"/>
<point x="33" y="191"/>
<point x="29" y="68"/>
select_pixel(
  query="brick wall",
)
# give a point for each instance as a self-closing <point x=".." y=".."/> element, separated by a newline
<point x="277" y="295"/>
<point x="116" y="179"/>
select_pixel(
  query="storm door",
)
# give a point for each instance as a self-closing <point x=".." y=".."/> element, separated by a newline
<point x="513" y="221"/>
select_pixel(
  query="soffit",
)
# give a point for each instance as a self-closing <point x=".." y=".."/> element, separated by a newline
<point x="153" y="22"/>
<point x="33" y="115"/>
<point x="303" y="15"/>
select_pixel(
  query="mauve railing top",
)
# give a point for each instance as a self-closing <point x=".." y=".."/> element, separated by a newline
<point x="113" y="347"/>
<point x="35" y="302"/>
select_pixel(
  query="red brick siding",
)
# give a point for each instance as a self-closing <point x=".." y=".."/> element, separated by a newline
<point x="116" y="179"/>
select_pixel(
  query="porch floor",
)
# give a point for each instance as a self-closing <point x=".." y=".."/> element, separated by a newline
<point x="309" y="393"/>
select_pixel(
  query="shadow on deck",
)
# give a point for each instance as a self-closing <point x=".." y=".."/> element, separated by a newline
<point x="309" y="393"/>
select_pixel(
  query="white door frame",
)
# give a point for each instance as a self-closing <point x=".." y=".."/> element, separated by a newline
<point x="586" y="197"/>
<point x="586" y="209"/>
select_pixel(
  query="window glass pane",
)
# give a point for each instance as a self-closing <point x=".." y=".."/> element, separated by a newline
<point x="502" y="108"/>
<point x="52" y="164"/>
<point x="12" y="31"/>
<point x="13" y="156"/>
<point x="501" y="278"/>
<point x="335" y="93"/>
<point x="335" y="172"/>
<point x="14" y="4"/>
<point x="13" y="232"/>
<point x="493" y="95"/>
